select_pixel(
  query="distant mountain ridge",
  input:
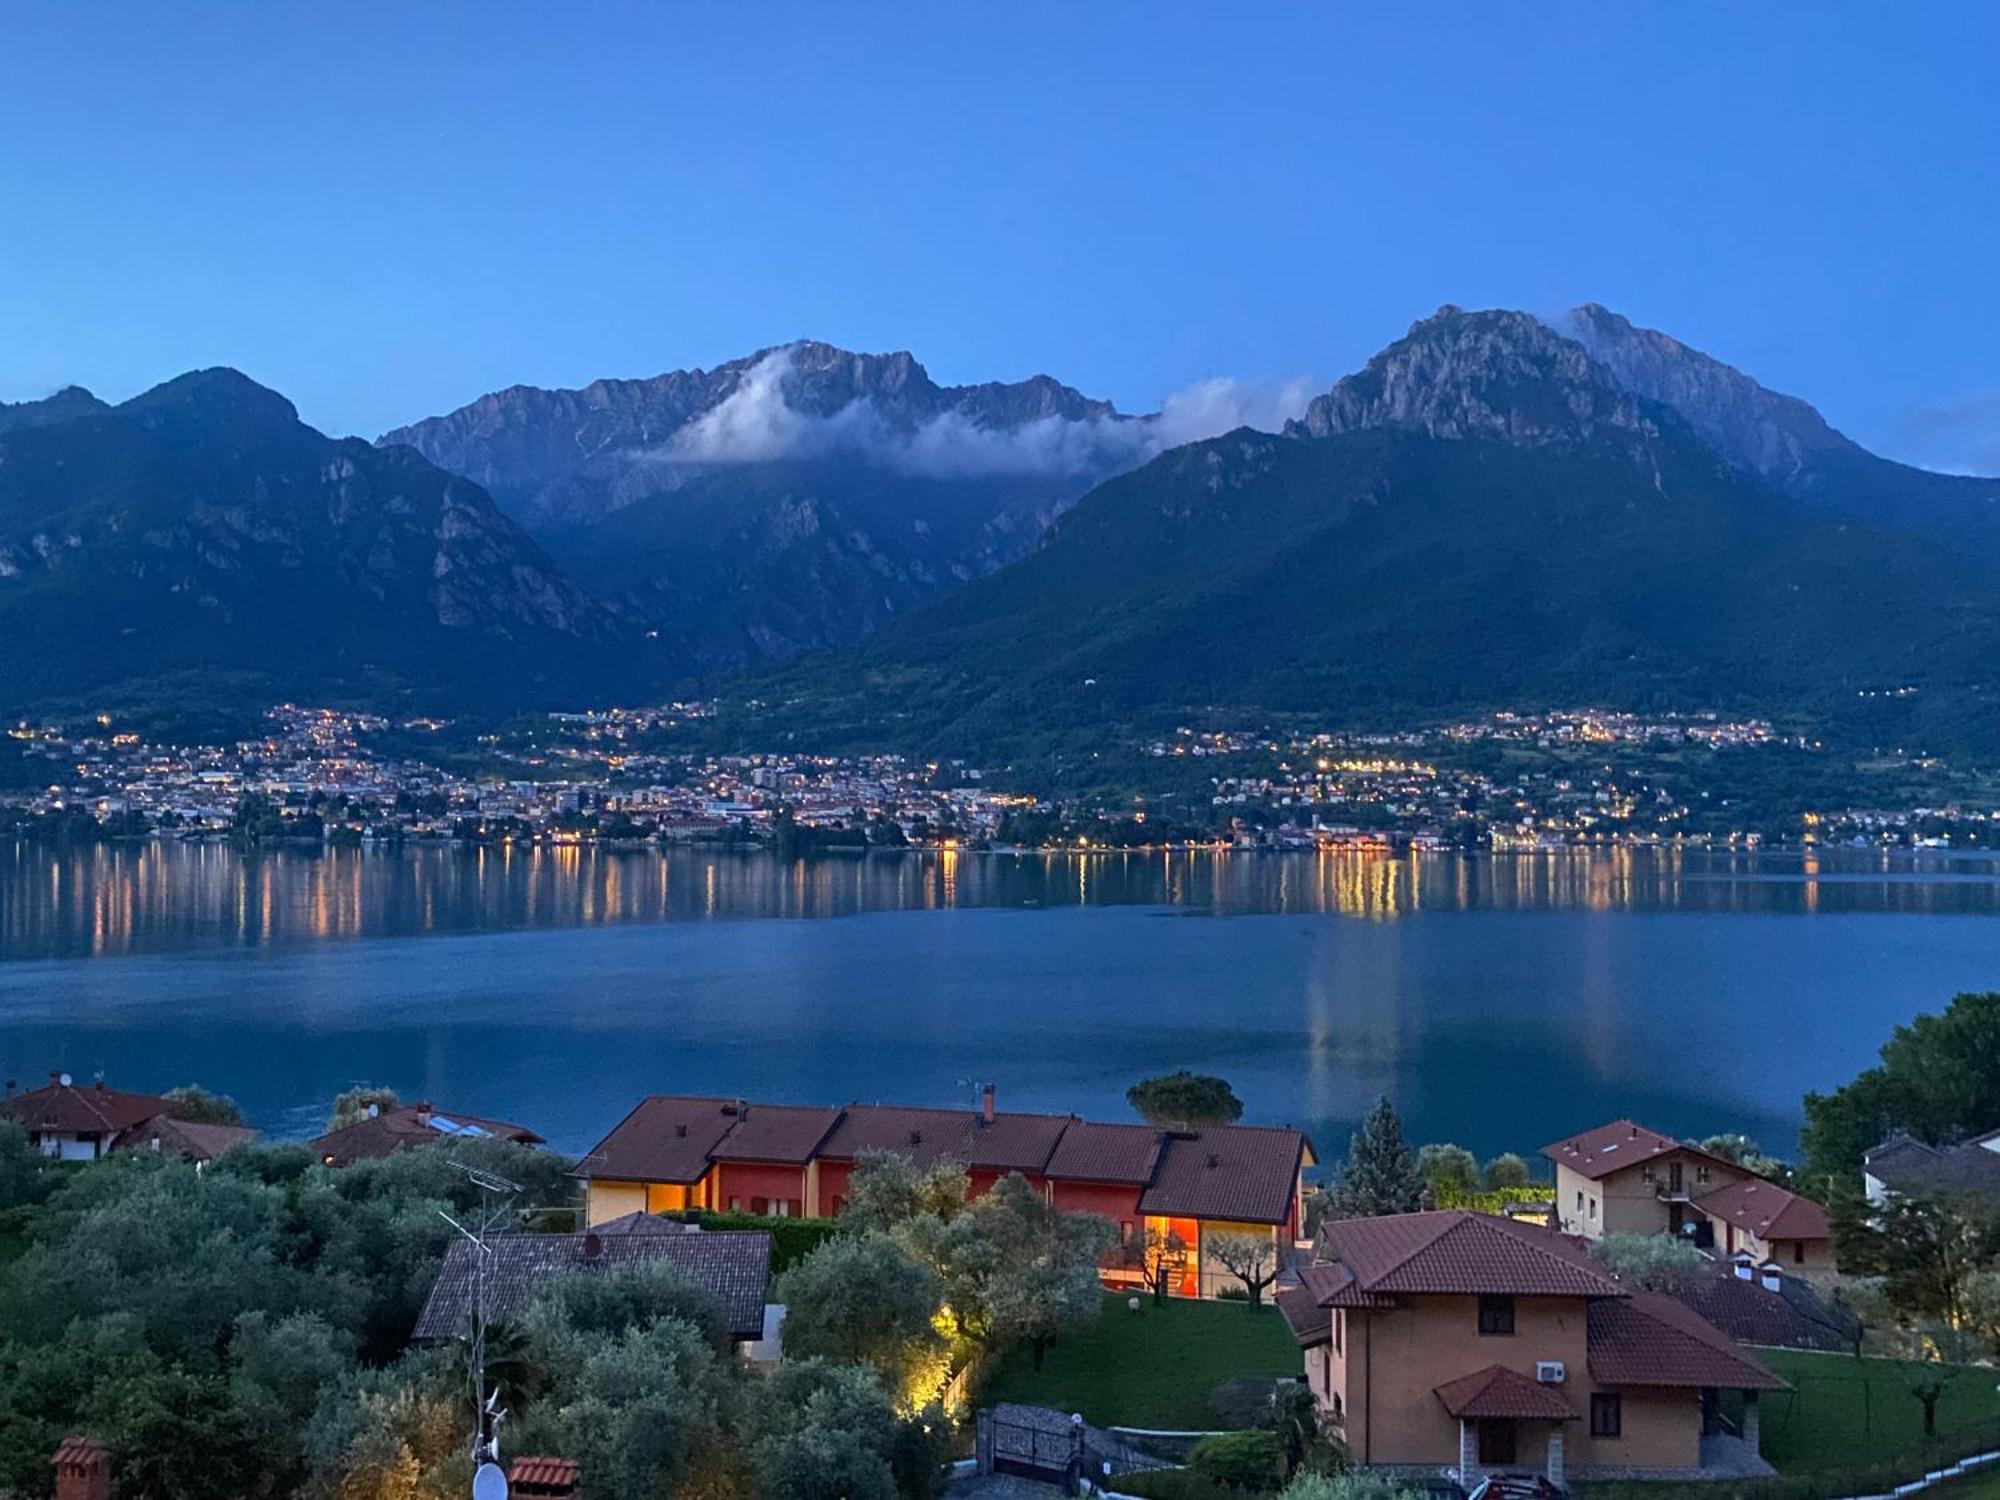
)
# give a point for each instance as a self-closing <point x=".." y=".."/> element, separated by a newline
<point x="801" y="496"/>
<point x="201" y="535"/>
<point x="1486" y="515"/>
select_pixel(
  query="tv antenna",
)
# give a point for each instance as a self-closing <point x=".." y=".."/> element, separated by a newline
<point x="489" y="1480"/>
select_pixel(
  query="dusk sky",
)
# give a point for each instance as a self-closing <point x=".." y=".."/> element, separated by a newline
<point x="385" y="210"/>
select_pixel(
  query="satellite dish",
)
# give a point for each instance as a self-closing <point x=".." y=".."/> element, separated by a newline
<point x="65" y="1080"/>
<point x="489" y="1482"/>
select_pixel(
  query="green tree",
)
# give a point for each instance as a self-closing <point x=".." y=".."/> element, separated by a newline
<point x="1931" y="1248"/>
<point x="889" y="1188"/>
<point x="1183" y="1099"/>
<point x="1936" y="1080"/>
<point x="830" y="1431"/>
<point x="1655" y="1262"/>
<point x="195" y="1104"/>
<point x="1251" y="1258"/>
<point x="354" y="1105"/>
<point x="1381" y="1175"/>
<point x="1939" y="1355"/>
<point x="1505" y="1171"/>
<point x="1448" y="1169"/>
<point x="1027" y="1269"/>
<point x="862" y="1299"/>
<point x="1748" y="1155"/>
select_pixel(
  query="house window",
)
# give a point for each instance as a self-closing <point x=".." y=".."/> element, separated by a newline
<point x="1339" y="1320"/>
<point x="1701" y="1172"/>
<point x="1496" y="1442"/>
<point x="1607" y="1415"/>
<point x="1647" y="1174"/>
<point x="1798" y="1252"/>
<point x="736" y="1205"/>
<point x="1126" y="1230"/>
<point x="1496" y="1319"/>
<point x="760" y="1205"/>
<point x="1338" y="1412"/>
<point x="1579" y="1200"/>
<point x="1593" y="1208"/>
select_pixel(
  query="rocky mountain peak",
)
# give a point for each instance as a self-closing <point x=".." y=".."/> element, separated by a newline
<point x="215" y="396"/>
<point x="1496" y="373"/>
<point x="67" y="404"/>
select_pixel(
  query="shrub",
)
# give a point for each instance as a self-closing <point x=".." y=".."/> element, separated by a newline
<point x="1657" y="1262"/>
<point x="1237" y="1460"/>
<point x="1347" y="1487"/>
<point x="792" y="1240"/>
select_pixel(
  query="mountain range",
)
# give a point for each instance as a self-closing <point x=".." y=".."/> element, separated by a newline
<point x="1495" y="511"/>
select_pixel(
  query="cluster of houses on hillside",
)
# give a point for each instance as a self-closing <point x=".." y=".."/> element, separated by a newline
<point x="1436" y="1343"/>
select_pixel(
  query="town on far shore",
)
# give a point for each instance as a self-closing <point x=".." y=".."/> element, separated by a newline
<point x="1507" y="781"/>
<point x="1177" y="1304"/>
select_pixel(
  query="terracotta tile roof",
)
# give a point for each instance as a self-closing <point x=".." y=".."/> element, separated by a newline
<point x="91" y="1109"/>
<point x="412" y="1125"/>
<point x="1310" y="1323"/>
<point x="775" y="1132"/>
<point x="1242" y="1172"/>
<point x="1006" y="1143"/>
<point x="1600" y="1152"/>
<point x="187" y="1138"/>
<point x="733" y="1266"/>
<point x="1457" y="1252"/>
<point x="1090" y="1152"/>
<point x="542" y="1474"/>
<point x="1499" y="1392"/>
<point x="1333" y="1285"/>
<point x="641" y="1222"/>
<point x="666" y="1138"/>
<point x="1766" y="1210"/>
<point x="1650" y="1339"/>
<point x="1792" y="1317"/>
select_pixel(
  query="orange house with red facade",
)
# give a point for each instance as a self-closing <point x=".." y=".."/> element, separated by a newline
<point x="675" y="1152"/>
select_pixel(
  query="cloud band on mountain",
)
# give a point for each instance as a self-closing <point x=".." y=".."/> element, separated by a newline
<point x="757" y="423"/>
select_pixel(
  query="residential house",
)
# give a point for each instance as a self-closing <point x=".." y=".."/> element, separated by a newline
<point x="732" y="1266"/>
<point x="675" y="1152"/>
<point x="1624" y="1178"/>
<point x="69" y="1122"/>
<point x="1760" y="1304"/>
<point x="1903" y="1164"/>
<point x="1464" y="1344"/>
<point x="388" y="1130"/>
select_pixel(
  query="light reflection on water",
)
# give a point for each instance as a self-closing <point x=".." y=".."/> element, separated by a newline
<point x="113" y="900"/>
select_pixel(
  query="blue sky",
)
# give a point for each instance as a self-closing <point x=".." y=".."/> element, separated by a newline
<point x="385" y="210"/>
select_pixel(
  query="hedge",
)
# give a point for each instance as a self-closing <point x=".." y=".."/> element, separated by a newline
<point x="792" y="1239"/>
<point x="1495" y="1202"/>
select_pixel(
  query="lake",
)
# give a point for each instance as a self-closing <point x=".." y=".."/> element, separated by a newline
<point x="1502" y="1001"/>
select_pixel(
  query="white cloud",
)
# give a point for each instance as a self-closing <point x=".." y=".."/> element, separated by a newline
<point x="757" y="423"/>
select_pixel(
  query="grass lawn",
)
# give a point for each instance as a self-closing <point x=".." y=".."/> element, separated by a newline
<point x="1844" y="1410"/>
<point x="1983" y="1486"/>
<point x="1152" y="1368"/>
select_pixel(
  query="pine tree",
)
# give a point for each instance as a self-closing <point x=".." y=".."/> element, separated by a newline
<point x="1381" y="1172"/>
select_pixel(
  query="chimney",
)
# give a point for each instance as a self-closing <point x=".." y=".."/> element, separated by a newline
<point x="424" y="1112"/>
<point x="986" y="1102"/>
<point x="1635" y="1133"/>
<point x="593" y="1246"/>
<point x="681" y="1129"/>
<point x="83" y="1469"/>
<point x="542" y="1478"/>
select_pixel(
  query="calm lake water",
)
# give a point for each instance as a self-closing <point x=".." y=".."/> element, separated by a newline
<point x="1501" y="1000"/>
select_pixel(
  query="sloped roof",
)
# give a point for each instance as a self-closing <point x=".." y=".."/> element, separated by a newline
<point x="1792" y="1317"/>
<point x="413" y="1125"/>
<point x="733" y="1266"/>
<point x="1600" y="1152"/>
<point x="1456" y="1251"/>
<point x="1499" y="1392"/>
<point x="1092" y="1152"/>
<point x="1909" y="1165"/>
<point x="1006" y="1143"/>
<point x="66" y="1109"/>
<point x="193" y="1139"/>
<point x="666" y="1138"/>
<point x="776" y="1132"/>
<point x="1310" y="1323"/>
<point x="1766" y="1210"/>
<point x="536" y="1473"/>
<point x="1651" y="1339"/>
<point x="1242" y="1172"/>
